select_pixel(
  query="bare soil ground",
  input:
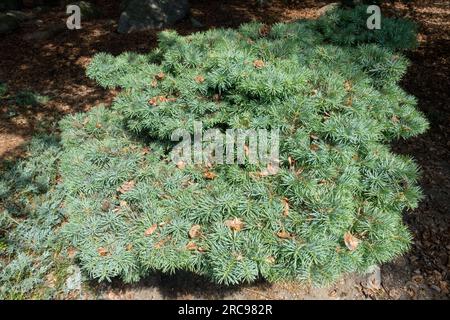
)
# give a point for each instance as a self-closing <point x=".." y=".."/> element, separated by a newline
<point x="55" y="67"/>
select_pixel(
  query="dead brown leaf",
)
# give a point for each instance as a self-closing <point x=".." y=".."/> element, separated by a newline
<point x="348" y="85"/>
<point x="264" y="30"/>
<point x="199" y="79"/>
<point x="283" y="234"/>
<point x="351" y="241"/>
<point x="285" y="206"/>
<point x="195" y="232"/>
<point x="102" y="251"/>
<point x="145" y="151"/>
<point x="105" y="206"/>
<point x="191" y="246"/>
<point x="126" y="186"/>
<point x="258" y="64"/>
<point x="270" y="260"/>
<point x="209" y="175"/>
<point x="151" y="230"/>
<point x="71" y="252"/>
<point x="235" y="224"/>
<point x="160" y="76"/>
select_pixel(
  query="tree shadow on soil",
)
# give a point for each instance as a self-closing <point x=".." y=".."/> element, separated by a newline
<point x="55" y="66"/>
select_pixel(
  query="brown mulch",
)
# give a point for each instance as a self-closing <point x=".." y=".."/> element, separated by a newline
<point x="56" y="68"/>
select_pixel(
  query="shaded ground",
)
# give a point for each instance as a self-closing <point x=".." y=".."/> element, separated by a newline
<point x="55" y="67"/>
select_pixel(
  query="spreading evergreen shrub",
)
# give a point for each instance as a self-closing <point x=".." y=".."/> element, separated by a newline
<point x="29" y="213"/>
<point x="336" y="204"/>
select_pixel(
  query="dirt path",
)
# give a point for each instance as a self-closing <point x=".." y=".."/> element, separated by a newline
<point x="55" y="67"/>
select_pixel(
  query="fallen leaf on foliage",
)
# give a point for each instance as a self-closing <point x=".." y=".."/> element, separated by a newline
<point x="71" y="252"/>
<point x="59" y="179"/>
<point x="299" y="171"/>
<point x="209" y="175"/>
<point x="98" y="125"/>
<point x="191" y="246"/>
<point x="236" y="224"/>
<point x="314" y="147"/>
<point x="145" y="150"/>
<point x="264" y="30"/>
<point x="160" y="243"/>
<point x="270" y="170"/>
<point x="181" y="164"/>
<point x="156" y="100"/>
<point x="123" y="204"/>
<point x="349" y="102"/>
<point x="195" y="232"/>
<point x="348" y="85"/>
<point x="151" y="230"/>
<point x="51" y="280"/>
<point x="258" y="64"/>
<point x="282" y="234"/>
<point x="351" y="241"/>
<point x="239" y="256"/>
<point x="126" y="186"/>
<point x="105" y="206"/>
<point x="270" y="260"/>
<point x="285" y="207"/>
<point x="160" y="76"/>
<point x="129" y="247"/>
<point x="162" y="224"/>
<point x="102" y="251"/>
<point x="395" y="119"/>
<point x="290" y="161"/>
<point x="199" y="79"/>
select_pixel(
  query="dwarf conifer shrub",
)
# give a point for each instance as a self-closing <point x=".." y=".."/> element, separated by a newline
<point x="29" y="213"/>
<point x="335" y="205"/>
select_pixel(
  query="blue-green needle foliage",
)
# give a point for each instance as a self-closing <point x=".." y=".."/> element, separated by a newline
<point x="30" y="211"/>
<point x="334" y="207"/>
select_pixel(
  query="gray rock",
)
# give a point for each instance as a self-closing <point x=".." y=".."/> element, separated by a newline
<point x="20" y="15"/>
<point x="374" y="278"/>
<point x="151" y="14"/>
<point x="87" y="9"/>
<point x="195" y="23"/>
<point x="10" y="5"/>
<point x="8" y="23"/>
<point x="44" y="34"/>
<point x="73" y="282"/>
